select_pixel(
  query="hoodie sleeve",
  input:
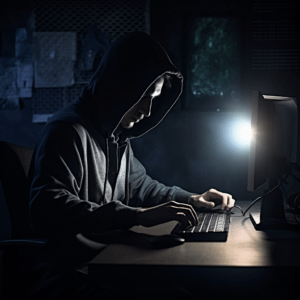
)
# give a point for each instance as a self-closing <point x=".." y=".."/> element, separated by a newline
<point x="147" y="192"/>
<point x="57" y="174"/>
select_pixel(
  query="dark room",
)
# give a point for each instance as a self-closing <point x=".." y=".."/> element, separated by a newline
<point x="149" y="149"/>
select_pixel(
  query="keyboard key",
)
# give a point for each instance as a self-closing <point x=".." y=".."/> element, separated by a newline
<point x="213" y="226"/>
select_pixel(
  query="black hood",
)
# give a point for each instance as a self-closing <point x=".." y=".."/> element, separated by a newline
<point x="128" y="68"/>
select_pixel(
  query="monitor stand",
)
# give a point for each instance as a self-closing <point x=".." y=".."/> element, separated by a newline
<point x="271" y="214"/>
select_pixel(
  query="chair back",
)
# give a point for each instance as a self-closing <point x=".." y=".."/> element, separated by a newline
<point x="14" y="167"/>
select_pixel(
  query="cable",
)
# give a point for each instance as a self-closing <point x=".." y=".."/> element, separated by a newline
<point x="295" y="177"/>
<point x="293" y="211"/>
<point x="295" y="166"/>
<point x="282" y="181"/>
<point x="236" y="206"/>
<point x="268" y="193"/>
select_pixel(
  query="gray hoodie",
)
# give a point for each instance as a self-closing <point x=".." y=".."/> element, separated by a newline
<point x="84" y="175"/>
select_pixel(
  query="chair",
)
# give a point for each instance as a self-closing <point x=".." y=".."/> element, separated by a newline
<point x="14" y="167"/>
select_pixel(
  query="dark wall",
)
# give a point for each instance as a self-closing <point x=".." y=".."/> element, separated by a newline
<point x="191" y="149"/>
<point x="16" y="125"/>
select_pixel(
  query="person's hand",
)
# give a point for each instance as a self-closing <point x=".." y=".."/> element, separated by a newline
<point x="212" y="198"/>
<point x="170" y="211"/>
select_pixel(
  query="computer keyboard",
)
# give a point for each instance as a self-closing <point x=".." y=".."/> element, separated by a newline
<point x="213" y="226"/>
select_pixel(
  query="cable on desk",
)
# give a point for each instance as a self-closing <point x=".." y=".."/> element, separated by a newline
<point x="236" y="206"/>
<point x="268" y="193"/>
<point x="293" y="166"/>
<point x="295" y="177"/>
<point x="292" y="209"/>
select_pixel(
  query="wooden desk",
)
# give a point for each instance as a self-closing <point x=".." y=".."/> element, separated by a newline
<point x="249" y="257"/>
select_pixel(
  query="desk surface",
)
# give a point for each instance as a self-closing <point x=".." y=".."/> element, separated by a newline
<point x="262" y="258"/>
<point x="245" y="247"/>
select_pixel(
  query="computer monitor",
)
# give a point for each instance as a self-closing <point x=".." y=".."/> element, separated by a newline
<point x="274" y="123"/>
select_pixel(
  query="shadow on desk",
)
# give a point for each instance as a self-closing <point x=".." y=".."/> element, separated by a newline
<point x="283" y="249"/>
<point x="125" y="237"/>
<point x="250" y="265"/>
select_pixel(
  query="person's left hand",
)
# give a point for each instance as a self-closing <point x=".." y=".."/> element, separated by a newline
<point x="212" y="198"/>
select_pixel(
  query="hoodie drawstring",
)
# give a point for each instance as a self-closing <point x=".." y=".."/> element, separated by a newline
<point x="127" y="176"/>
<point x="106" y="169"/>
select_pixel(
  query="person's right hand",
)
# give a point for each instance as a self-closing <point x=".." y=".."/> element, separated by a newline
<point x="170" y="211"/>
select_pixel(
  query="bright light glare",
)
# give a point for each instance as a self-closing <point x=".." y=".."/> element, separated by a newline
<point x="242" y="133"/>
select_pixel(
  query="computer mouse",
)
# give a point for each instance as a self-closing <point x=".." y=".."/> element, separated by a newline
<point x="166" y="241"/>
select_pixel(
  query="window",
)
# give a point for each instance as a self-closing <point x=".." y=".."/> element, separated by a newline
<point x="212" y="69"/>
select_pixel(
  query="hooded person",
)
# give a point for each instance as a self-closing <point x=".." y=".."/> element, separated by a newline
<point x="84" y="177"/>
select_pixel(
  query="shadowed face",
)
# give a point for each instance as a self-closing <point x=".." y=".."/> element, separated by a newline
<point x="143" y="107"/>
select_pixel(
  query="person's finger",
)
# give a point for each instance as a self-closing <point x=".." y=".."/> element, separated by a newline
<point x="230" y="202"/>
<point x="206" y="204"/>
<point x="224" y="201"/>
<point x="181" y="217"/>
<point x="177" y="204"/>
<point x="187" y="212"/>
<point x="227" y="202"/>
<point x="218" y="197"/>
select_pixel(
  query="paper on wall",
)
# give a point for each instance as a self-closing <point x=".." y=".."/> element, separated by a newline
<point x="54" y="59"/>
